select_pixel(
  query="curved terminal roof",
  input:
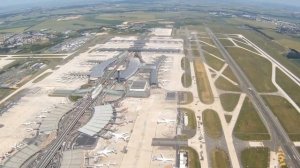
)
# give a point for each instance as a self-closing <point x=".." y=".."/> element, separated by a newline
<point x="132" y="67"/>
<point x="98" y="70"/>
<point x="154" y="73"/>
<point x="21" y="156"/>
<point x="102" y="116"/>
<point x="50" y="123"/>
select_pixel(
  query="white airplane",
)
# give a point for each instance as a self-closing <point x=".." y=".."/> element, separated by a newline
<point x="165" y="121"/>
<point x="123" y="136"/>
<point x="105" y="152"/>
<point x="163" y="159"/>
<point x="46" y="111"/>
<point x="18" y="146"/>
<point x="105" y="165"/>
<point x="41" y="116"/>
<point x="164" y="70"/>
<point x="29" y="129"/>
<point x="29" y="123"/>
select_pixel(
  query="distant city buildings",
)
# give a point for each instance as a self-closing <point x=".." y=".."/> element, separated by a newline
<point x="281" y="26"/>
<point x="14" y="40"/>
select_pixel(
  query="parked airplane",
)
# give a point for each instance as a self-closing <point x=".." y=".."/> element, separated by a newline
<point x="29" y="123"/>
<point x="161" y="158"/>
<point x="105" y="165"/>
<point x="166" y="121"/>
<point x="105" y="152"/>
<point x="18" y="146"/>
<point x="41" y="116"/>
<point x="29" y="129"/>
<point x="123" y="136"/>
<point x="164" y="70"/>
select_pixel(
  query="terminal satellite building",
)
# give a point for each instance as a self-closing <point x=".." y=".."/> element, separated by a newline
<point x="139" y="89"/>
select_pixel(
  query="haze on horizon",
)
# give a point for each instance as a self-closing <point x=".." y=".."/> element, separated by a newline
<point x="5" y="3"/>
<point x="16" y="5"/>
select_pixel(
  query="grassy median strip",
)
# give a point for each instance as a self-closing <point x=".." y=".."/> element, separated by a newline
<point x="226" y="42"/>
<point x="213" y="62"/>
<point x="212" y="50"/>
<point x="245" y="45"/>
<point x="186" y="78"/>
<point x="257" y="69"/>
<point x="229" y="74"/>
<point x="229" y="101"/>
<point x="220" y="159"/>
<point x="212" y="124"/>
<point x="206" y="40"/>
<point x="287" y="115"/>
<point x="255" y="157"/>
<point x="249" y="126"/>
<point x="42" y="77"/>
<point x="228" y="118"/>
<point x="289" y="86"/>
<point x="5" y="92"/>
<point x="192" y="123"/>
<point x="193" y="157"/>
<point x="224" y="84"/>
<point x="203" y="86"/>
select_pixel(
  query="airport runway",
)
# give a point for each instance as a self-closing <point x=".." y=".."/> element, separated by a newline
<point x="277" y="132"/>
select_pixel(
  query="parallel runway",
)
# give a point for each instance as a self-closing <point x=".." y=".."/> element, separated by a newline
<point x="278" y="133"/>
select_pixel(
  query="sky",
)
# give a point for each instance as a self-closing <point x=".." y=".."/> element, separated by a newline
<point x="52" y="3"/>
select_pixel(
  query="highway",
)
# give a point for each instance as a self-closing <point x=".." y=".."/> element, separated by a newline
<point x="277" y="132"/>
<point x="78" y="112"/>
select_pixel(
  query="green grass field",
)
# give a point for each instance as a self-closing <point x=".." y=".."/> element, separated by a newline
<point x="223" y="84"/>
<point x="290" y="43"/>
<point x="228" y="118"/>
<point x="13" y="30"/>
<point x="258" y="69"/>
<point x="5" y="92"/>
<point x="245" y="46"/>
<point x="213" y="62"/>
<point x="186" y="78"/>
<point x="286" y="114"/>
<point x="193" y="157"/>
<point x="226" y="42"/>
<point x="83" y="22"/>
<point x="203" y="85"/>
<point x="42" y="77"/>
<point x="289" y="86"/>
<point x="192" y="124"/>
<point x="255" y="158"/>
<point x="220" y="159"/>
<point x="229" y="74"/>
<point x="206" y="40"/>
<point x="249" y="126"/>
<point x="212" y="124"/>
<point x="212" y="50"/>
<point x="196" y="53"/>
<point x="229" y="101"/>
<point x="272" y="48"/>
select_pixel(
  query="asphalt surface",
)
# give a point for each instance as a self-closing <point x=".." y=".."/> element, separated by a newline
<point x="277" y="131"/>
